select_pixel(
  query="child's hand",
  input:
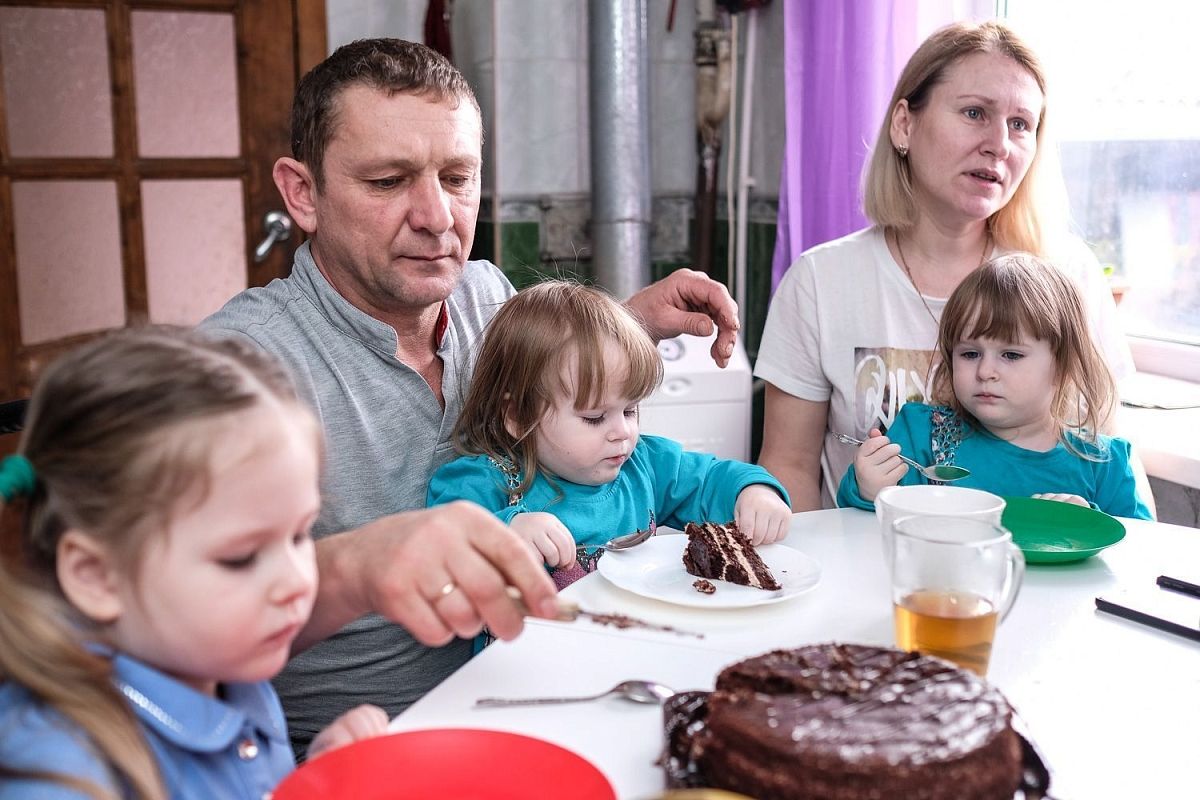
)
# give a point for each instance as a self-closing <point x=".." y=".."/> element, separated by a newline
<point x="761" y="514"/>
<point x="548" y="537"/>
<point x="1062" y="497"/>
<point x="363" y="722"/>
<point x="877" y="465"/>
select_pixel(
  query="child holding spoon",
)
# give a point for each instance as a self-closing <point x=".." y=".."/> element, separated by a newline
<point x="1025" y="393"/>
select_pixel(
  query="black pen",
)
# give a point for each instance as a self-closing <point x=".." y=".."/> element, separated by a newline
<point x="1176" y="585"/>
<point x="1147" y="619"/>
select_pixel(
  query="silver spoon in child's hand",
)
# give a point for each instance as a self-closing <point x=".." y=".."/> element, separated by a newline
<point x="637" y="691"/>
<point x="942" y="473"/>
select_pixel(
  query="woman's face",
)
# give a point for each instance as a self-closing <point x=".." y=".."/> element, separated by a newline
<point x="971" y="145"/>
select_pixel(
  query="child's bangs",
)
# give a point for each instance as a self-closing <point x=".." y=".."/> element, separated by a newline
<point x="1005" y="314"/>
<point x="592" y="379"/>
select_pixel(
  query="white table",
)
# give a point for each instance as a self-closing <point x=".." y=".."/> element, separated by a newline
<point x="1113" y="706"/>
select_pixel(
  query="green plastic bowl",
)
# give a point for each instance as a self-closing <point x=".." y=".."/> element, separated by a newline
<point x="1050" y="532"/>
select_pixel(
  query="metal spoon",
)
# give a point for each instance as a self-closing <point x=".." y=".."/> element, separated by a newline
<point x="628" y="540"/>
<point x="943" y="473"/>
<point x="637" y="691"/>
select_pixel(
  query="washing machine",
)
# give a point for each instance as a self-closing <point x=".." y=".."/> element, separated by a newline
<point x="698" y="404"/>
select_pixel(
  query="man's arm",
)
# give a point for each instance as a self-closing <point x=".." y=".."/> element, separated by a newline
<point x="439" y="572"/>
<point x="793" y="437"/>
<point x="687" y="301"/>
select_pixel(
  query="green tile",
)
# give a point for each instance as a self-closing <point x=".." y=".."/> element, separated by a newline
<point x="519" y="245"/>
<point x="760" y="250"/>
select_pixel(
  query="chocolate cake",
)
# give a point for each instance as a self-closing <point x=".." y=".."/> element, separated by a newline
<point x="846" y="722"/>
<point x="723" y="552"/>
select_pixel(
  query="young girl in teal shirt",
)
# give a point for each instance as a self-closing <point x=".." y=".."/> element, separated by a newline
<point x="1025" y="391"/>
<point x="550" y="432"/>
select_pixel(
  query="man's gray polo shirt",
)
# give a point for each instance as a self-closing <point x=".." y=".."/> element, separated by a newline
<point x="385" y="434"/>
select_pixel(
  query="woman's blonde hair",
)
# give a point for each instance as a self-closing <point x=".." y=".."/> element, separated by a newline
<point x="1018" y="297"/>
<point x="521" y="368"/>
<point x="1032" y="218"/>
<point x="117" y="431"/>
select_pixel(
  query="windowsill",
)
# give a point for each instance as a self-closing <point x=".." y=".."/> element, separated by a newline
<point x="1166" y="439"/>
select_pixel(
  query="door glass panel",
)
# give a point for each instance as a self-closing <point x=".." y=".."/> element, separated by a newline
<point x="56" y="82"/>
<point x="192" y="269"/>
<point x="185" y="74"/>
<point x="69" y="278"/>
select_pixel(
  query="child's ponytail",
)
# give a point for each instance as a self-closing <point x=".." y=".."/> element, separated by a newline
<point x="41" y="651"/>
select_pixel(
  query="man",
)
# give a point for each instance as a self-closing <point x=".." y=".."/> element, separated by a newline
<point x="378" y="322"/>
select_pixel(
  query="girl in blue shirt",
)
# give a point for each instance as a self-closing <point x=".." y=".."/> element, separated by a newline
<point x="550" y="429"/>
<point x="163" y="492"/>
<point x="1025" y="392"/>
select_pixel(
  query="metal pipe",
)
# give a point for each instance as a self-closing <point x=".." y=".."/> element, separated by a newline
<point x="744" y="182"/>
<point x="618" y="102"/>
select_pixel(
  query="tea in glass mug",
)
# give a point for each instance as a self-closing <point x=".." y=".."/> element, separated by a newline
<point x="953" y="580"/>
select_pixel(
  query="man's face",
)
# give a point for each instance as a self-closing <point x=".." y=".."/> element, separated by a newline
<point x="396" y="215"/>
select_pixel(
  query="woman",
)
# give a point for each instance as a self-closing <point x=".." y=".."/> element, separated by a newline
<point x="960" y="172"/>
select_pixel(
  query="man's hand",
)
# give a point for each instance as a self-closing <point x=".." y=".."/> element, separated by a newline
<point x="440" y="572"/>
<point x="687" y="301"/>
<point x="761" y="514"/>
<point x="877" y="464"/>
<point x="549" y="538"/>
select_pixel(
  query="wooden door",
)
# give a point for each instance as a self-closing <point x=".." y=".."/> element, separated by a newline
<point x="136" y="144"/>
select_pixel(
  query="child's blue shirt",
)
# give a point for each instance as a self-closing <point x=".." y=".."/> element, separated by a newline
<point x="660" y="483"/>
<point x="929" y="434"/>
<point x="233" y="747"/>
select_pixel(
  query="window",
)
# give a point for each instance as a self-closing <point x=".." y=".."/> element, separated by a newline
<point x="1125" y="106"/>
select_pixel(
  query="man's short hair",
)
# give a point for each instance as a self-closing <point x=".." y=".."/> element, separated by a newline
<point x="389" y="65"/>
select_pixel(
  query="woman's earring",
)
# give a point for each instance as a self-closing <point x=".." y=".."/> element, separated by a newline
<point x="903" y="151"/>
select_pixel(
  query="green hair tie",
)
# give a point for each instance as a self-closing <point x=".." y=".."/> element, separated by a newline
<point x="17" y="478"/>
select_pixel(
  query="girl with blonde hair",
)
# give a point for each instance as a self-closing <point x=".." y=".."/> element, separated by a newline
<point x="550" y="434"/>
<point x="1024" y="394"/>
<point x="163" y="490"/>
<point x="963" y="170"/>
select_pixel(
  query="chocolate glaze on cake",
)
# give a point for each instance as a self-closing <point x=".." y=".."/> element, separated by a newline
<point x="723" y="552"/>
<point x="846" y="722"/>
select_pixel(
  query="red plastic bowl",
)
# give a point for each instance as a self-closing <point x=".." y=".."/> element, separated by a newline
<point x="459" y="763"/>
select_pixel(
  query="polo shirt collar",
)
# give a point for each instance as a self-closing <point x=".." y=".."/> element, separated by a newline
<point x="342" y="314"/>
<point x="192" y="720"/>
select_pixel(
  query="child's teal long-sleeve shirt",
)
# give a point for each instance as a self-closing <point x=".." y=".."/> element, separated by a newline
<point x="1005" y="469"/>
<point x="660" y="482"/>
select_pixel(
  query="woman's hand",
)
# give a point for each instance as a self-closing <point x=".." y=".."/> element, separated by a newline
<point x="877" y="465"/>
<point x="761" y="514"/>
<point x="548" y="537"/>
<point x="363" y="722"/>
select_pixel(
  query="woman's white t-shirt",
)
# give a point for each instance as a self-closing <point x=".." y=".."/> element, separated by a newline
<point x="848" y="327"/>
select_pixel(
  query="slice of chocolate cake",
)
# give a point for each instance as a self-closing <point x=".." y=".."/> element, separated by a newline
<point x="723" y="552"/>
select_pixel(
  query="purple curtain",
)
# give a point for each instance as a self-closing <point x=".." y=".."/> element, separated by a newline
<point x="841" y="61"/>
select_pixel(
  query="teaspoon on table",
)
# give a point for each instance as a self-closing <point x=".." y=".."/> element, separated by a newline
<point x="943" y="473"/>
<point x="637" y="691"/>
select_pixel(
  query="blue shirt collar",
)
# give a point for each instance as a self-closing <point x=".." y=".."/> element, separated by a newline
<point x="192" y="720"/>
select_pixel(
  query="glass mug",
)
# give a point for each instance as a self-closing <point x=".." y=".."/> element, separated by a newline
<point x="954" y="579"/>
<point x="894" y="502"/>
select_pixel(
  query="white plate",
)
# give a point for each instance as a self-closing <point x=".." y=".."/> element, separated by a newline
<point x="655" y="570"/>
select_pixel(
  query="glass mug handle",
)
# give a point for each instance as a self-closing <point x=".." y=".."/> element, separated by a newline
<point x="1015" y="577"/>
